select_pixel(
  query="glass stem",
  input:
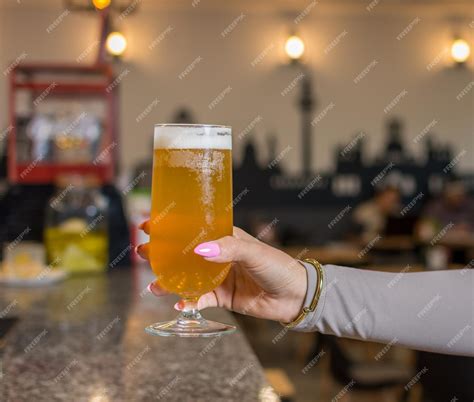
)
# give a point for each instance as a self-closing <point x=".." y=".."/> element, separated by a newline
<point x="190" y="311"/>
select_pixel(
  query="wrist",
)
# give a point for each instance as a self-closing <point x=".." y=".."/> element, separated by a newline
<point x="314" y="286"/>
<point x="299" y="293"/>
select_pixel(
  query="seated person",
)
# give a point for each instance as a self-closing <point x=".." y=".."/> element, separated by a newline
<point x="454" y="210"/>
<point x="371" y="216"/>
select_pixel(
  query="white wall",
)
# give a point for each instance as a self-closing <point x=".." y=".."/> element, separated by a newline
<point x="401" y="65"/>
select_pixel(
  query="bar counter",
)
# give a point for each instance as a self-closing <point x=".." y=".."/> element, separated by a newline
<point x="84" y="340"/>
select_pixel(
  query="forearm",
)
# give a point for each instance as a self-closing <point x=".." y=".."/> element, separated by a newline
<point x="432" y="311"/>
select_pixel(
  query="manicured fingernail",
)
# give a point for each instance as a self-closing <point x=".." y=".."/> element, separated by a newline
<point x="149" y="287"/>
<point x="136" y="249"/>
<point x="209" y="249"/>
<point x="179" y="306"/>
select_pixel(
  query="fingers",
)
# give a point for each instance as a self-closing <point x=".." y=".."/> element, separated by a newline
<point x="205" y="301"/>
<point x="155" y="289"/>
<point x="145" y="226"/>
<point x="143" y="250"/>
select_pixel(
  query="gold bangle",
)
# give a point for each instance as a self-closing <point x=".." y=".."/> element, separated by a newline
<point x="306" y="310"/>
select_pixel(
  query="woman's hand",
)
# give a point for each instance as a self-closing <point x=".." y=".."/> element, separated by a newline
<point x="263" y="282"/>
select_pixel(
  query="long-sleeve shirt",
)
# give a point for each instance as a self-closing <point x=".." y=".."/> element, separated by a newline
<point x="430" y="311"/>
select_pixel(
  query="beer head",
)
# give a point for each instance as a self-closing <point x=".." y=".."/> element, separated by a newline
<point x="192" y="136"/>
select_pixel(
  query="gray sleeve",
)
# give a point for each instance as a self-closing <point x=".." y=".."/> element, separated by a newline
<point x="431" y="311"/>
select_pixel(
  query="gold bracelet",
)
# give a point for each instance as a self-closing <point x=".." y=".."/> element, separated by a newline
<point x="306" y="310"/>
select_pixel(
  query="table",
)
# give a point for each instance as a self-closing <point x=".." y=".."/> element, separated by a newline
<point x="336" y="254"/>
<point x="84" y="340"/>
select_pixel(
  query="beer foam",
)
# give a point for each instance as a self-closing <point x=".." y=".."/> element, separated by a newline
<point x="189" y="136"/>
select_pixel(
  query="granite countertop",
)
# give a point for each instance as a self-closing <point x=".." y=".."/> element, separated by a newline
<point x="84" y="340"/>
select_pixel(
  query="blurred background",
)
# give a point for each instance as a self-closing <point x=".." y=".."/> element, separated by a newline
<point x="352" y="143"/>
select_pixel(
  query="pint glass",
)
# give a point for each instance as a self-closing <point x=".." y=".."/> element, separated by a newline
<point x="191" y="204"/>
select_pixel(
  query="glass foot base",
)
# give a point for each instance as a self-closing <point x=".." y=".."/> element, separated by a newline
<point x="173" y="328"/>
<point x="190" y="325"/>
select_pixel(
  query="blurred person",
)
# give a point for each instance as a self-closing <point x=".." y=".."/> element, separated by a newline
<point x="429" y="311"/>
<point x="371" y="216"/>
<point x="454" y="209"/>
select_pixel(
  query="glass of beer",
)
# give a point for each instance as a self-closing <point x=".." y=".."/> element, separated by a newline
<point x="191" y="204"/>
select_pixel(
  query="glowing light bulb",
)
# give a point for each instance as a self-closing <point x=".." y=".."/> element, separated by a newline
<point x="116" y="43"/>
<point x="460" y="50"/>
<point x="101" y="4"/>
<point x="294" y="47"/>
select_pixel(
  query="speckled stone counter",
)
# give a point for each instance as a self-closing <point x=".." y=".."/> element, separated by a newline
<point x="84" y="340"/>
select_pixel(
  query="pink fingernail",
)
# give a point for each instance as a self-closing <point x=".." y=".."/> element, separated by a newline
<point x="149" y="287"/>
<point x="208" y="249"/>
<point x="178" y="306"/>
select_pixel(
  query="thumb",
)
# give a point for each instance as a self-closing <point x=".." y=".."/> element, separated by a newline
<point x="205" y="301"/>
<point x="269" y="267"/>
<point x="232" y="249"/>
